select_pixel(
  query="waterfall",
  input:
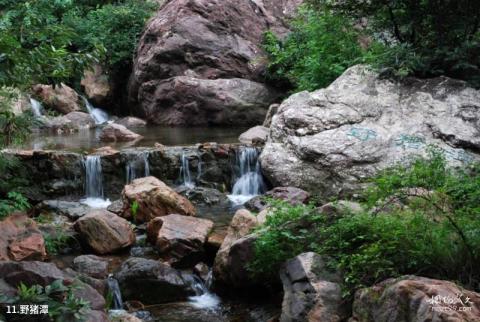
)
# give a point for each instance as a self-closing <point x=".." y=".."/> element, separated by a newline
<point x="249" y="182"/>
<point x="185" y="177"/>
<point x="204" y="299"/>
<point x="114" y="288"/>
<point x="37" y="107"/>
<point x="98" y="115"/>
<point x="94" y="183"/>
<point x="136" y="164"/>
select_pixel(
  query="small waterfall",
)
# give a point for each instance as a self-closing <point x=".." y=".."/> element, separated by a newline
<point x="199" y="167"/>
<point x="185" y="177"/>
<point x="204" y="299"/>
<point x="136" y="164"/>
<point x="94" y="183"/>
<point x="249" y="181"/>
<point x="37" y="107"/>
<point x="98" y="115"/>
<point x="114" y="288"/>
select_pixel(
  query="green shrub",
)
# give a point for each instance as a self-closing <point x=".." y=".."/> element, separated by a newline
<point x="56" y="241"/>
<point x="320" y="48"/>
<point x="63" y="305"/>
<point x="424" y="38"/>
<point x="435" y="235"/>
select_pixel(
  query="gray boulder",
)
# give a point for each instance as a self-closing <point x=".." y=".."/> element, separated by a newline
<point x="330" y="140"/>
<point x="152" y="282"/>
<point x="254" y="135"/>
<point x="91" y="265"/>
<point x="311" y="291"/>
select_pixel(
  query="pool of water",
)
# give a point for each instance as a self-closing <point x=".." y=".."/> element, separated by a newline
<point x="89" y="139"/>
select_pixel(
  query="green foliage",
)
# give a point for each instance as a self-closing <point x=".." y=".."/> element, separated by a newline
<point x="63" y="305"/>
<point x="423" y="38"/>
<point x="44" y="41"/>
<point x="13" y="202"/>
<point x="115" y="26"/>
<point x="134" y="209"/>
<point x="14" y="129"/>
<point x="56" y="241"/>
<point x="320" y="48"/>
<point x="422" y="218"/>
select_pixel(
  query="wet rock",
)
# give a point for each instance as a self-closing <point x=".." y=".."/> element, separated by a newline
<point x="413" y="298"/>
<point x="204" y="196"/>
<point x="179" y="239"/>
<point x="32" y="273"/>
<point x="312" y="292"/>
<point x="292" y="195"/>
<point x="340" y="208"/>
<point x="202" y="270"/>
<point x="61" y="97"/>
<point x="20" y="239"/>
<point x="91" y="265"/>
<point x="122" y="316"/>
<point x="131" y="122"/>
<point x="255" y="135"/>
<point x="72" y="122"/>
<point x="154" y="199"/>
<point x="116" y="207"/>
<point x="97" y="86"/>
<point x="106" y="151"/>
<point x="200" y="62"/>
<point x="105" y="232"/>
<point x="329" y="141"/>
<point x="72" y="210"/>
<point x="272" y="110"/>
<point x="224" y="272"/>
<point x="151" y="282"/>
<point x="118" y="133"/>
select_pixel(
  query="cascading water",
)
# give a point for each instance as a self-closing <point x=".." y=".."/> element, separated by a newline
<point x="114" y="288"/>
<point x="185" y="177"/>
<point x="204" y="299"/>
<point x="98" y="115"/>
<point x="94" y="183"/>
<point x="37" y="107"/>
<point x="249" y="181"/>
<point x="136" y="164"/>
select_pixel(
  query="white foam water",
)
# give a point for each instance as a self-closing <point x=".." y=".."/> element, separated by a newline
<point x="94" y="197"/>
<point x="98" y="115"/>
<point x="37" y="107"/>
<point x="96" y="203"/>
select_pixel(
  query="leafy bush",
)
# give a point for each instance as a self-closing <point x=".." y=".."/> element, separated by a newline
<point x="424" y="38"/>
<point x="115" y="26"/>
<point x="14" y="202"/>
<point x="434" y="234"/>
<point x="320" y="48"/>
<point x="63" y="305"/>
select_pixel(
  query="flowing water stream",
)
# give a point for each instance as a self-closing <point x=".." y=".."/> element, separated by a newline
<point x="98" y="115"/>
<point x="37" y="108"/>
<point x="249" y="182"/>
<point x="137" y="166"/>
<point x="94" y="196"/>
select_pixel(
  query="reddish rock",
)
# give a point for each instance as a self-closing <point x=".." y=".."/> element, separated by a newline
<point x="105" y="232"/>
<point x="20" y="239"/>
<point x="61" y="97"/>
<point x="154" y="199"/>
<point x="131" y="122"/>
<point x="413" y="298"/>
<point x="198" y="41"/>
<point x="118" y="133"/>
<point x="96" y="84"/>
<point x="180" y="239"/>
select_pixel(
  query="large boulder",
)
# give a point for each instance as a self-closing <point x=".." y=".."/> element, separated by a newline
<point x="91" y="265"/>
<point x="97" y="85"/>
<point x="179" y="239"/>
<point x="312" y="292"/>
<point x="329" y="141"/>
<point x="190" y="54"/>
<point x="185" y="100"/>
<point x="20" y="239"/>
<point x="413" y="298"/>
<point x="71" y="209"/>
<point x="61" y="97"/>
<point x="105" y="232"/>
<point x="229" y="267"/>
<point x="152" y="282"/>
<point x="39" y="273"/>
<point x="118" y="133"/>
<point x="153" y="198"/>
